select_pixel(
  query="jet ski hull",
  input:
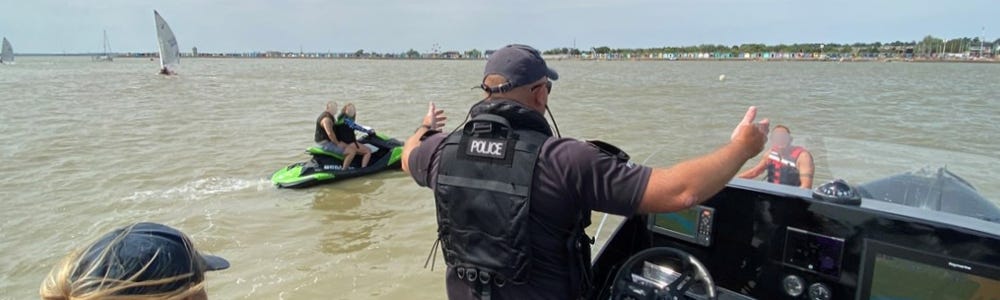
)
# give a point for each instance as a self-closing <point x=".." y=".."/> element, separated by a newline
<point x="326" y="167"/>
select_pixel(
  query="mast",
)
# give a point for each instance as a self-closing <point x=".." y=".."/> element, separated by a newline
<point x="982" y="38"/>
<point x="107" y="45"/>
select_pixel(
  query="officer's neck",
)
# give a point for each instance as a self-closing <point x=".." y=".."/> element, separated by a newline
<point x="523" y="100"/>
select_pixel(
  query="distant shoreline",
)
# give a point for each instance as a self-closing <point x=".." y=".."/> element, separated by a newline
<point x="559" y="58"/>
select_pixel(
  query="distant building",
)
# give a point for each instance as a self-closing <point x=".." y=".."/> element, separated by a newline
<point x="451" y="55"/>
<point x="981" y="51"/>
<point x="194" y="51"/>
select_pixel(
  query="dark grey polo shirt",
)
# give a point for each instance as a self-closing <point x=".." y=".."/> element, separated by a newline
<point x="570" y="176"/>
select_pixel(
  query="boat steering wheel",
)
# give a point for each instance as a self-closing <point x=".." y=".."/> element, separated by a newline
<point x="626" y="288"/>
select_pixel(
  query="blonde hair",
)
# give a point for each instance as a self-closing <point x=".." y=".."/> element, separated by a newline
<point x="349" y="106"/>
<point x="71" y="278"/>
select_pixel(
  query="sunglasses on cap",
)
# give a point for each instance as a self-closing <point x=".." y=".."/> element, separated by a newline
<point x="548" y="86"/>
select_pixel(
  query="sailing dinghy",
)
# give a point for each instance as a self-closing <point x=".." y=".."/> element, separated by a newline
<point x="7" y="54"/>
<point x="170" y="54"/>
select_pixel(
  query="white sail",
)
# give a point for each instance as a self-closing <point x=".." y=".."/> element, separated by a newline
<point x="7" y="54"/>
<point x="170" y="53"/>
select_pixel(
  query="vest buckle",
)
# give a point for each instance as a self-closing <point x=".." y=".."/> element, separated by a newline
<point x="499" y="281"/>
<point x="484" y="277"/>
<point x="471" y="275"/>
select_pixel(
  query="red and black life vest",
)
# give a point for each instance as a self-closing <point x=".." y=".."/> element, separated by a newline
<point x="782" y="169"/>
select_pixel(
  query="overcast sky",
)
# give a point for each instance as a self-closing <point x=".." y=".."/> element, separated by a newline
<point x="53" y="26"/>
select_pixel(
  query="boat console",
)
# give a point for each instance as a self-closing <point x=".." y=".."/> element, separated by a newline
<point x="756" y="240"/>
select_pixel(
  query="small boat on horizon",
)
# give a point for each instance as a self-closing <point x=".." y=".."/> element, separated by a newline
<point x="107" y="50"/>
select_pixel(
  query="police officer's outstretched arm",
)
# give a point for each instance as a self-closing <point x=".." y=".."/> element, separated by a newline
<point x="433" y="120"/>
<point x="695" y="180"/>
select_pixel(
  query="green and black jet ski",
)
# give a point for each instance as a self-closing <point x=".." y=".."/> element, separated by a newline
<point x="326" y="167"/>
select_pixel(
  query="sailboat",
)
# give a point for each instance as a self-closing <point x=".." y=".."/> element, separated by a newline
<point x="170" y="53"/>
<point x="7" y="54"/>
<point x="107" y="50"/>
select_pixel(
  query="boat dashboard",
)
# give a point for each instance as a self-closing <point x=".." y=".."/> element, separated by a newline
<point x="761" y="241"/>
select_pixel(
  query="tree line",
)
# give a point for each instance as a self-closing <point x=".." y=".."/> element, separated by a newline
<point x="927" y="46"/>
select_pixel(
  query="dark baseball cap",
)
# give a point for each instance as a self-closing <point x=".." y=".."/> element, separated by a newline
<point x="520" y="64"/>
<point x="147" y="251"/>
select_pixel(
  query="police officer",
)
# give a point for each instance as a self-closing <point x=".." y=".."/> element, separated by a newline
<point x="513" y="200"/>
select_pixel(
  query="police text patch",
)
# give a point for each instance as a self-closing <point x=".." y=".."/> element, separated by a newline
<point x="489" y="148"/>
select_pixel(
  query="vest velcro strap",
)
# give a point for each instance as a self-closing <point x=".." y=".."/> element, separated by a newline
<point x="492" y="118"/>
<point x="490" y="185"/>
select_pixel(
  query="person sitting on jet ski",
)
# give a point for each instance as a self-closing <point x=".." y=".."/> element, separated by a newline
<point x="785" y="164"/>
<point x="327" y="139"/>
<point x="344" y="128"/>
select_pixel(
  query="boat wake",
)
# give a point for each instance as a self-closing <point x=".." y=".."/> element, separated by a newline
<point x="201" y="189"/>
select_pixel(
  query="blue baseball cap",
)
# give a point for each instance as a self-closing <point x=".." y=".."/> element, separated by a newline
<point x="143" y="252"/>
<point x="520" y="64"/>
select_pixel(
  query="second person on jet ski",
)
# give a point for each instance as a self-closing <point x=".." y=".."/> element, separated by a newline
<point x="336" y="134"/>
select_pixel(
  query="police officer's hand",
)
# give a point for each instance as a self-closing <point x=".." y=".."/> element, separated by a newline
<point x="750" y="135"/>
<point x="435" y="118"/>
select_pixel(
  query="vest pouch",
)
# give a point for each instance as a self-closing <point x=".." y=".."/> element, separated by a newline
<point x="486" y="225"/>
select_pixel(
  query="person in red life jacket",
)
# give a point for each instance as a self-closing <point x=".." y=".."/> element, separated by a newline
<point x="784" y="164"/>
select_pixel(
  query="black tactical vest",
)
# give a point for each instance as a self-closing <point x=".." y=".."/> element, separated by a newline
<point x="483" y="198"/>
<point x="482" y="195"/>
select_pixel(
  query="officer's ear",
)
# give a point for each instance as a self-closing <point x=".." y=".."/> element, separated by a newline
<point x="540" y="99"/>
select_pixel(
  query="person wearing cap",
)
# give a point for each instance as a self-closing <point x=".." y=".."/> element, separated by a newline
<point x="139" y="261"/>
<point x="784" y="163"/>
<point x="513" y="200"/>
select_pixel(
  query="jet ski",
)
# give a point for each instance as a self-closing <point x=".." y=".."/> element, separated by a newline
<point x="326" y="167"/>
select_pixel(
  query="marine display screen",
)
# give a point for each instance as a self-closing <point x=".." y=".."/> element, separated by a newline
<point x="900" y="273"/>
<point x="693" y="224"/>
<point x="814" y="252"/>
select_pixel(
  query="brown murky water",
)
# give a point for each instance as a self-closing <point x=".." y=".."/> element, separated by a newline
<point x="86" y="147"/>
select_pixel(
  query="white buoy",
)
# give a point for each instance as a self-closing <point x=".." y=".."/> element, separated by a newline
<point x="722" y="77"/>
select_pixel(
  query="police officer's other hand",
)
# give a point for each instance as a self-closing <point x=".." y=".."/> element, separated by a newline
<point x="435" y="118"/>
<point x="749" y="135"/>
